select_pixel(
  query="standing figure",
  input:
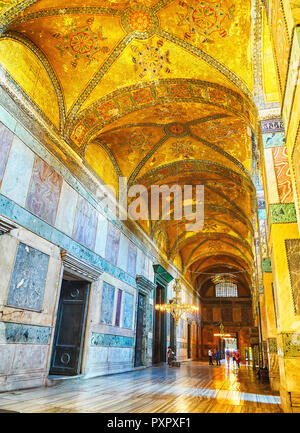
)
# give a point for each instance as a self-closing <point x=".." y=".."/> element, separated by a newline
<point x="237" y="359"/>
<point x="218" y="357"/>
<point x="170" y="356"/>
<point x="228" y="356"/>
<point x="210" y="355"/>
<point x="233" y="358"/>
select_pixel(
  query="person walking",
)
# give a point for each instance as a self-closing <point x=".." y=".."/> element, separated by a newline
<point x="210" y="355"/>
<point x="218" y="357"/>
<point x="233" y="358"/>
<point x="237" y="359"/>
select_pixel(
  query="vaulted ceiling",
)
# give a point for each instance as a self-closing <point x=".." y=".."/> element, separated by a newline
<point x="158" y="91"/>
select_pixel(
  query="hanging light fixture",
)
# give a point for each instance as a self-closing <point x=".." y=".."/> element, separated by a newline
<point x="222" y="333"/>
<point x="176" y="307"/>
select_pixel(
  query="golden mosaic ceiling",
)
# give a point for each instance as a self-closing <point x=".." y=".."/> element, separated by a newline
<point x="157" y="91"/>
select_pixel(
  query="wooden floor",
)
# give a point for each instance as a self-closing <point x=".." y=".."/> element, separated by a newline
<point x="194" y="387"/>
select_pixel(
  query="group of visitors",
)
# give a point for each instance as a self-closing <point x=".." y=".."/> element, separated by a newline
<point x="217" y="357"/>
<point x="234" y="355"/>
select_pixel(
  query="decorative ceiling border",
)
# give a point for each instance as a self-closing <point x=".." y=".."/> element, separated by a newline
<point x="121" y="102"/>
<point x="197" y="165"/>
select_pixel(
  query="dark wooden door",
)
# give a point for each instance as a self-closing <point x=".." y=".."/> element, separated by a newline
<point x="70" y="327"/>
<point x="159" y="354"/>
<point x="139" y="330"/>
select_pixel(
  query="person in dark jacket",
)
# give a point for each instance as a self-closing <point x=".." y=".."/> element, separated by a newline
<point x="170" y="356"/>
<point x="218" y="357"/>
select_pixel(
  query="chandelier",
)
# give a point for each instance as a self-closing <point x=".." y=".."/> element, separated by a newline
<point x="176" y="306"/>
<point x="222" y="333"/>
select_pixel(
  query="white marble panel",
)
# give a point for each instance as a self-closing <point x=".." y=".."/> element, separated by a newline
<point x="66" y="209"/>
<point x="119" y="354"/>
<point x="123" y="253"/>
<point x="18" y="172"/>
<point x="6" y="357"/>
<point x="29" y="357"/>
<point x="101" y="235"/>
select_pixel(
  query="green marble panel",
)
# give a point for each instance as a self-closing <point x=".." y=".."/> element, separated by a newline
<point x="20" y="333"/>
<point x="283" y="213"/>
<point x="111" y="340"/>
<point x="266" y="265"/>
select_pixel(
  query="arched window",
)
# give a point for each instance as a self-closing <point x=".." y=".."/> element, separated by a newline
<point x="226" y="290"/>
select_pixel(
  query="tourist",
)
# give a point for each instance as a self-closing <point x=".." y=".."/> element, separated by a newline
<point x="170" y="356"/>
<point x="233" y="357"/>
<point x="218" y="357"/>
<point x="210" y="355"/>
<point x="237" y="359"/>
<point x="228" y="356"/>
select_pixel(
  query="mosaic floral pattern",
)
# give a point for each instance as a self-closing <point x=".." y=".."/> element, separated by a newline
<point x="139" y="20"/>
<point x="183" y="148"/>
<point x="44" y="191"/>
<point x="150" y="60"/>
<point x="137" y="140"/>
<point x="81" y="42"/>
<point x="205" y="18"/>
<point x="293" y="256"/>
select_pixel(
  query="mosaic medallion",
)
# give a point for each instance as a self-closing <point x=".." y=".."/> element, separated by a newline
<point x="139" y="20"/>
<point x="150" y="60"/>
<point x="206" y="18"/>
<point x="177" y="129"/>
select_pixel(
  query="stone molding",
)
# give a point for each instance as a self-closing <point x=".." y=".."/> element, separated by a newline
<point x="6" y="226"/>
<point x="144" y="285"/>
<point x="80" y="267"/>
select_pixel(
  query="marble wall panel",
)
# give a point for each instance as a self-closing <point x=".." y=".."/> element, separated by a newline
<point x="107" y="303"/>
<point x="131" y="263"/>
<point x="123" y="253"/>
<point x="44" y="191"/>
<point x="101" y="235"/>
<point x="85" y="224"/>
<point x="6" y="138"/>
<point x="283" y="174"/>
<point x="273" y="194"/>
<point x="21" y="333"/>
<point x="30" y="357"/>
<point x="120" y="355"/>
<point x="128" y="310"/>
<point x="274" y="140"/>
<point x="6" y="356"/>
<point x="118" y="310"/>
<point x="293" y="256"/>
<point x="27" y="284"/>
<point x="109" y="340"/>
<point x="112" y="244"/>
<point x="18" y="172"/>
<point x="66" y="209"/>
<point x="283" y="213"/>
<point x="141" y="263"/>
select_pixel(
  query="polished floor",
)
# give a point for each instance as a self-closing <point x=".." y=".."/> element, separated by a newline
<point x="194" y="387"/>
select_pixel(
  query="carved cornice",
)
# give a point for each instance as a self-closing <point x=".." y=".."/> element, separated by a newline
<point x="144" y="285"/>
<point x="79" y="267"/>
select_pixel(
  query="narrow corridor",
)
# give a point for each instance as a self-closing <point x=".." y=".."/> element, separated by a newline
<point x="193" y="388"/>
